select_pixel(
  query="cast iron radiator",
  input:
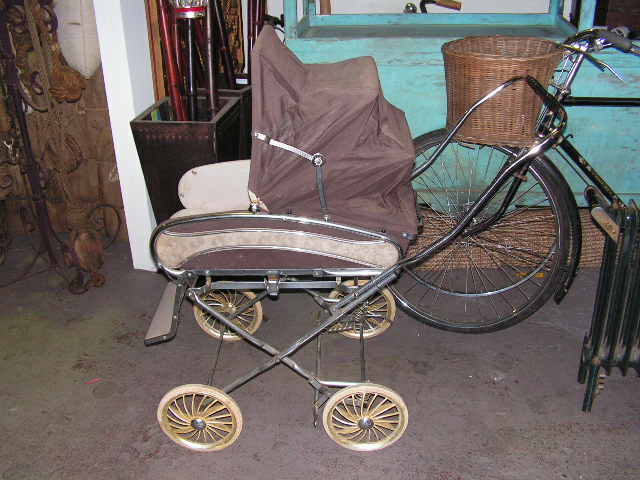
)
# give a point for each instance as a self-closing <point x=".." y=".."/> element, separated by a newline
<point x="614" y="338"/>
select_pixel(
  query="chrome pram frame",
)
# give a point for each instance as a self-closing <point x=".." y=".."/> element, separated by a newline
<point x="361" y="416"/>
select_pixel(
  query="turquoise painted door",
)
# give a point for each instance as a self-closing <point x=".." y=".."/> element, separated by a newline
<point x="407" y="50"/>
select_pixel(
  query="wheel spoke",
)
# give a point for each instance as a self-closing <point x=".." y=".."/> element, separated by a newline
<point x="179" y="415"/>
<point x="384" y="406"/>
<point x="345" y="421"/>
<point x="217" y="426"/>
<point x="344" y="411"/>
<point x="217" y="406"/>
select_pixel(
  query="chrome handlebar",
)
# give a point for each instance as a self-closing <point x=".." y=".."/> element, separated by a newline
<point x="599" y="38"/>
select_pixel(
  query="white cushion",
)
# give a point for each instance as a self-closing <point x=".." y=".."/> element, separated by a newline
<point x="218" y="187"/>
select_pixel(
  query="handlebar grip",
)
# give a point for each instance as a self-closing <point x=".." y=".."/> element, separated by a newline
<point x="621" y="43"/>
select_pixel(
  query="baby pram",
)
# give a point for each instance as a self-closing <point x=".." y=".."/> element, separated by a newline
<point x="325" y="204"/>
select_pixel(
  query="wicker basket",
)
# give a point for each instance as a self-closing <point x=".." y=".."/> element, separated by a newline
<point x="476" y="257"/>
<point x="476" y="65"/>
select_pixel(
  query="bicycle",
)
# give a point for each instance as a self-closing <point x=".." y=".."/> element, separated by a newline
<point x="524" y="246"/>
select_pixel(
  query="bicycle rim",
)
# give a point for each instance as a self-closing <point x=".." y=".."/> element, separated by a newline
<point x="493" y="277"/>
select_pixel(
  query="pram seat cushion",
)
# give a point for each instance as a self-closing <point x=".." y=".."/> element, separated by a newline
<point x="217" y="187"/>
<point x="337" y="110"/>
<point x="249" y="241"/>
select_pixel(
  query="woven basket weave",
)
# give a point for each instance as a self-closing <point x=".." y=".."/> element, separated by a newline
<point x="476" y="65"/>
<point x="476" y="257"/>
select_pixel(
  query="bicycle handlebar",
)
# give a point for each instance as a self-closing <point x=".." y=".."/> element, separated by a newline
<point x="618" y="41"/>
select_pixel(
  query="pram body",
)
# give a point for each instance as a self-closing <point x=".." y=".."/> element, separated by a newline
<point x="324" y="204"/>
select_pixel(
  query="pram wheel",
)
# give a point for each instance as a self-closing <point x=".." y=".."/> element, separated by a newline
<point x="365" y="417"/>
<point x="506" y="265"/>
<point x="377" y="313"/>
<point x="200" y="417"/>
<point x="228" y="302"/>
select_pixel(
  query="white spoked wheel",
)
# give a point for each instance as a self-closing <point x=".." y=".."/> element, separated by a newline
<point x="377" y="313"/>
<point x="228" y="302"/>
<point x="200" y="417"/>
<point x="365" y="417"/>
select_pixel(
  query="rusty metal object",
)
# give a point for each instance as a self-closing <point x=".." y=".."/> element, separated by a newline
<point x="5" y="119"/>
<point x="607" y="223"/>
<point x="43" y="72"/>
<point x="87" y="254"/>
<point x="5" y="238"/>
<point x="42" y="171"/>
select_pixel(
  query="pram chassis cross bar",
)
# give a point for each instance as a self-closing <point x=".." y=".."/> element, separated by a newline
<point x="337" y="311"/>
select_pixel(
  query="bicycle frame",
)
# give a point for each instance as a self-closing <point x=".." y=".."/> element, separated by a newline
<point x="581" y="45"/>
<point x="599" y="191"/>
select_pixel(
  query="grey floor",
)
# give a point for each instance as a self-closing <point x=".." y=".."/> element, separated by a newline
<point x="79" y="392"/>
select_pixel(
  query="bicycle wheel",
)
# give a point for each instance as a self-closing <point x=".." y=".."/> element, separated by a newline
<point x="497" y="272"/>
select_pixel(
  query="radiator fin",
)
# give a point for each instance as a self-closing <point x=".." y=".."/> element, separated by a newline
<point x="613" y="341"/>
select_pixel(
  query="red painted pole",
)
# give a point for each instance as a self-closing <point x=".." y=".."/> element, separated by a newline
<point x="170" y="63"/>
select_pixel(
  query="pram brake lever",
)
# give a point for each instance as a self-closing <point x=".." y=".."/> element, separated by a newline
<point x="272" y="284"/>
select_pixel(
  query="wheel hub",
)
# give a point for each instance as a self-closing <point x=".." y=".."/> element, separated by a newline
<point x="198" y="424"/>
<point x="229" y="308"/>
<point x="365" y="423"/>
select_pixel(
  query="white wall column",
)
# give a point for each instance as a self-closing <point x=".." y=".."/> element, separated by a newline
<point x="126" y="63"/>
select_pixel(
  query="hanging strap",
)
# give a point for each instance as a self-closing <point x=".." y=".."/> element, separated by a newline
<point x="317" y="160"/>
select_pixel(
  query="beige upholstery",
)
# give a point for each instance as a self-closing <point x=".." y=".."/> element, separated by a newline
<point x="185" y="242"/>
<point x="190" y="212"/>
<point x="218" y="187"/>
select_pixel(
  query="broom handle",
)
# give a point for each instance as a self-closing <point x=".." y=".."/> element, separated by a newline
<point x="443" y="3"/>
<point x="170" y="63"/>
<point x="325" y="7"/>
<point x="224" y="44"/>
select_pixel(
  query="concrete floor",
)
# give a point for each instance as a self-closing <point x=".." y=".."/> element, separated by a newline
<point x="79" y="393"/>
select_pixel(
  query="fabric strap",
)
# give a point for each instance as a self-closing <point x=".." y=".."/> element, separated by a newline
<point x="317" y="160"/>
<point x="270" y="141"/>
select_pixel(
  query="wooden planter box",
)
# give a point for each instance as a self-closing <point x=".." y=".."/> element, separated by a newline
<point x="167" y="149"/>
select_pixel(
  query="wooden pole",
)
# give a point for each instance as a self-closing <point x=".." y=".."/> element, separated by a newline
<point x="325" y="7"/>
<point x="250" y="34"/>
<point x="224" y="44"/>
<point x="214" y="100"/>
<point x="156" y="49"/>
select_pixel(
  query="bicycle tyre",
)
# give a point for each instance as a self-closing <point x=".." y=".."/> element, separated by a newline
<point x="494" y="278"/>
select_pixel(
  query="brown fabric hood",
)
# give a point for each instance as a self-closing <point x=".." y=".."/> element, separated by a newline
<point x="337" y="110"/>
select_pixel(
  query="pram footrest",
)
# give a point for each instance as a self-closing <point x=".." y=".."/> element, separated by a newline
<point x="163" y="325"/>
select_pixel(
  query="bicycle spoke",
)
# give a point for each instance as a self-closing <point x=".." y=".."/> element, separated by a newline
<point x="487" y="276"/>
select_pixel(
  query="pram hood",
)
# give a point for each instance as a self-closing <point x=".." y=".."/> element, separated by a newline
<point x="337" y="110"/>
